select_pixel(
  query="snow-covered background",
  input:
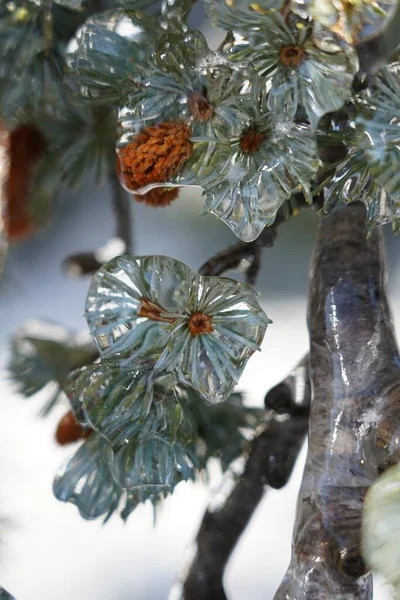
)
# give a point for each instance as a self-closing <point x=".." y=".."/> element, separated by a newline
<point x="47" y="551"/>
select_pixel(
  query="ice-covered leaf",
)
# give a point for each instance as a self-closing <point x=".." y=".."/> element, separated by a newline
<point x="379" y="128"/>
<point x="251" y="173"/>
<point x="355" y="21"/>
<point x="42" y="352"/>
<point x="86" y="481"/>
<point x="123" y="405"/>
<point x="229" y="14"/>
<point x="152" y="465"/>
<point x="297" y="69"/>
<point x="108" y="50"/>
<point x="30" y="57"/>
<point x="156" y="311"/>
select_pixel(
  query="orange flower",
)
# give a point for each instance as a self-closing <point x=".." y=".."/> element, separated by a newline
<point x="155" y="155"/>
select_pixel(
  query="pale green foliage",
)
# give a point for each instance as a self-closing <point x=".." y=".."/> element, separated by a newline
<point x="381" y="528"/>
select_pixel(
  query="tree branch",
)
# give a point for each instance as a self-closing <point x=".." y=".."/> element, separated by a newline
<point x="270" y="462"/>
<point x="86" y="263"/>
<point x="355" y="376"/>
<point x="230" y="258"/>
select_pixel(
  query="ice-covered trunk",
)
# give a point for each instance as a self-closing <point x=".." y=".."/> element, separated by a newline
<point x="354" y="371"/>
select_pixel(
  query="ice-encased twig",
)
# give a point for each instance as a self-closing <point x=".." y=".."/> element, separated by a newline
<point x="270" y="462"/>
<point x="354" y="372"/>
<point x="87" y="263"/>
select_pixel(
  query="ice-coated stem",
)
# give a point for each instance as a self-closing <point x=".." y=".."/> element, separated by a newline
<point x="87" y="263"/>
<point x="354" y="372"/>
<point x="270" y="462"/>
<point x="231" y="258"/>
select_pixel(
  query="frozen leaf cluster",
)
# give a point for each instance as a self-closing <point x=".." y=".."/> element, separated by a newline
<point x="156" y="311"/>
<point x="355" y="21"/>
<point x="31" y="52"/>
<point x="136" y="452"/>
<point x="192" y="116"/>
<point x="241" y="122"/>
<point x="43" y="353"/>
<point x="168" y="339"/>
<point x="369" y="134"/>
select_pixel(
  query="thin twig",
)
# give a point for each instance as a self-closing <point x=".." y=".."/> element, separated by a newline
<point x="121" y="205"/>
<point x="270" y="462"/>
<point x="231" y="258"/>
<point x="86" y="263"/>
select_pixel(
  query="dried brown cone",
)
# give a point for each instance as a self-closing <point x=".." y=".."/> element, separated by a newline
<point x="158" y="196"/>
<point x="69" y="430"/>
<point x="156" y="154"/>
<point x="27" y="145"/>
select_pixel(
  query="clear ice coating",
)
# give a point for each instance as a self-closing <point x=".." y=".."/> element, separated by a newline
<point x="195" y="120"/>
<point x="379" y="128"/>
<point x="43" y="352"/>
<point x="137" y="451"/>
<point x="355" y="374"/>
<point x="381" y="528"/>
<point x="46" y="4"/>
<point x="228" y="13"/>
<point x="86" y="480"/>
<point x="101" y="478"/>
<point x="356" y="21"/>
<point x="154" y="311"/>
<point x="258" y="166"/>
<point x="300" y="66"/>
<point x="108" y="50"/>
<point x="354" y="178"/>
<point x="143" y="447"/>
<point x="124" y="405"/>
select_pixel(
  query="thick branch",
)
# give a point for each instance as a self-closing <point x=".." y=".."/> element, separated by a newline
<point x="354" y="371"/>
<point x="270" y="462"/>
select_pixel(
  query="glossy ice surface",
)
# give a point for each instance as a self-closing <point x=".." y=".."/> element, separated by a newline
<point x="354" y="21"/>
<point x="141" y="311"/>
<point x="354" y="411"/>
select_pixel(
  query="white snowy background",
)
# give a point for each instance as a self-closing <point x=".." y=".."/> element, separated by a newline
<point x="47" y="551"/>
